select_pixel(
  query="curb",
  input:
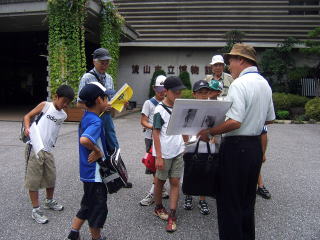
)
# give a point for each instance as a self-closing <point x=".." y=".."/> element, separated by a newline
<point x="294" y="122"/>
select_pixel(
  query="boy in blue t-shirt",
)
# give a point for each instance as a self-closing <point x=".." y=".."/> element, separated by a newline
<point x="92" y="146"/>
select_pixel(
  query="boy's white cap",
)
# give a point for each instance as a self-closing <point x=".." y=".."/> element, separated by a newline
<point x="160" y="80"/>
<point x="216" y="59"/>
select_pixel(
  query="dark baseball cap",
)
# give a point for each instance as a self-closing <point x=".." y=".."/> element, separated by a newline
<point x="173" y="83"/>
<point x="200" y="84"/>
<point x="91" y="91"/>
<point x="101" y="54"/>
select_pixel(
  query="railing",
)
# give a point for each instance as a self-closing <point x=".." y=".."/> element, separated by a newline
<point x="310" y="87"/>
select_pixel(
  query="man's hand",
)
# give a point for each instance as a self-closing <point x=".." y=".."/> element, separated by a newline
<point x="159" y="163"/>
<point x="264" y="158"/>
<point x="94" y="156"/>
<point x="203" y="135"/>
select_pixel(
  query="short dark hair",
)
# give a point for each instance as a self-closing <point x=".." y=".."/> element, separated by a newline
<point x="65" y="91"/>
<point x="251" y="62"/>
<point x="93" y="102"/>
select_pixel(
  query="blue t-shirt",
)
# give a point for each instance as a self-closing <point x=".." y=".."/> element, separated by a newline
<point x="91" y="128"/>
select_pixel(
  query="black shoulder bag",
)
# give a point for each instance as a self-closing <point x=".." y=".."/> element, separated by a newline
<point x="200" y="172"/>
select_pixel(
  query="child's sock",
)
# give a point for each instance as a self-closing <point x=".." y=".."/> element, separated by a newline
<point x="159" y="206"/>
<point x="73" y="235"/>
<point x="172" y="213"/>
<point x="152" y="189"/>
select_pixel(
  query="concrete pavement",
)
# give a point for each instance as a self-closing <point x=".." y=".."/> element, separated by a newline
<point x="291" y="173"/>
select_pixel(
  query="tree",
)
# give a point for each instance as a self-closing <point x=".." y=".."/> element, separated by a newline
<point x="232" y="37"/>
<point x="277" y="62"/>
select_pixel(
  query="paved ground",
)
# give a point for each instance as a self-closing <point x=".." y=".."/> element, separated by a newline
<point x="292" y="174"/>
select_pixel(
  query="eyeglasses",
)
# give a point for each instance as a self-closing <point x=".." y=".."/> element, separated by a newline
<point x="103" y="62"/>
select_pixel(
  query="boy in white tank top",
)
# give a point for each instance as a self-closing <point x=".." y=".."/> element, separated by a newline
<point x="40" y="169"/>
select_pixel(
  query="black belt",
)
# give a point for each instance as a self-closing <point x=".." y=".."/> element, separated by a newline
<point x="240" y="138"/>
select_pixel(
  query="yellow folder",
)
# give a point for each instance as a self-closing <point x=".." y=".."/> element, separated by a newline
<point x="121" y="97"/>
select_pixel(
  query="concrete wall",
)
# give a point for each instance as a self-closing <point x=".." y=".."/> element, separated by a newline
<point x="163" y="57"/>
<point x="176" y="57"/>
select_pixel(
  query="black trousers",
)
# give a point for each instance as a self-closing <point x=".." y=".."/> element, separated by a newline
<point x="239" y="167"/>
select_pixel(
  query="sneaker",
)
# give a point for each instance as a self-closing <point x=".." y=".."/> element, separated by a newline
<point x="73" y="236"/>
<point x="38" y="216"/>
<point x="171" y="225"/>
<point x="203" y="206"/>
<point x="147" y="201"/>
<point x="165" y="194"/>
<point x="53" y="205"/>
<point x="188" y="205"/>
<point x="263" y="192"/>
<point x="161" y="213"/>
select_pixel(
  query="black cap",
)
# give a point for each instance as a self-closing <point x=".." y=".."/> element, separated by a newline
<point x="101" y="54"/>
<point x="200" y="84"/>
<point x="173" y="83"/>
<point x="91" y="91"/>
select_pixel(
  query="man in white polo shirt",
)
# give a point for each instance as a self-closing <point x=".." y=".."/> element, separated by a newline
<point x="241" y="152"/>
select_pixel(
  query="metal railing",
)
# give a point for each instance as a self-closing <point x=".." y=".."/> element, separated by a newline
<point x="310" y="87"/>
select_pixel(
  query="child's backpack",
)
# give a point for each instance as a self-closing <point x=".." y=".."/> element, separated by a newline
<point x="36" y="119"/>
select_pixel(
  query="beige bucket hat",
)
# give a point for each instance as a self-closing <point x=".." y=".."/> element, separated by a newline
<point x="243" y="50"/>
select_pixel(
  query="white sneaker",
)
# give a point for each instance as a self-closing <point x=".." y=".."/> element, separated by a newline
<point x="38" y="216"/>
<point x="53" y="205"/>
<point x="147" y="201"/>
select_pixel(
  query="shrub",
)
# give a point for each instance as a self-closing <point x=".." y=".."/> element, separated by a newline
<point x="186" y="93"/>
<point x="153" y="80"/>
<point x="185" y="78"/>
<point x="282" y="114"/>
<point x="313" y="109"/>
<point x="283" y="101"/>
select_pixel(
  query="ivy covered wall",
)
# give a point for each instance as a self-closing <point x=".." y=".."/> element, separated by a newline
<point x="67" y="60"/>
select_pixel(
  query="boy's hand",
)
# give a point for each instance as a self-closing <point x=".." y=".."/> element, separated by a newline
<point x="27" y="132"/>
<point x="94" y="156"/>
<point x="159" y="163"/>
<point x="108" y="108"/>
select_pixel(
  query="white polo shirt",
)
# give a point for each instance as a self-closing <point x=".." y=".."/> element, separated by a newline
<point x="252" y="104"/>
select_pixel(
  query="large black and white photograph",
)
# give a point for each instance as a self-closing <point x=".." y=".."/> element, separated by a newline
<point x="189" y="116"/>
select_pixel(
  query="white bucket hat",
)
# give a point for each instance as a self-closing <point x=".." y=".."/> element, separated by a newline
<point x="216" y="59"/>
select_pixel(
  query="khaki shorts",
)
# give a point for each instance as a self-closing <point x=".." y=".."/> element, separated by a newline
<point x="40" y="172"/>
<point x="173" y="168"/>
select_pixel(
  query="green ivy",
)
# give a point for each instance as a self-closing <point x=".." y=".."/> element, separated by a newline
<point x="111" y="22"/>
<point x="67" y="60"/>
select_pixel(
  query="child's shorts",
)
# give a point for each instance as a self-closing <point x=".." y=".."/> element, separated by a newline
<point x="40" y="172"/>
<point x="94" y="204"/>
<point x="173" y="168"/>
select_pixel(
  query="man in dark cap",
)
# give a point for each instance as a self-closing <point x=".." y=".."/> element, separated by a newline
<point x="241" y="152"/>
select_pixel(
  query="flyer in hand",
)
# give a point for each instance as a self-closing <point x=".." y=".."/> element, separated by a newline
<point x="121" y="97"/>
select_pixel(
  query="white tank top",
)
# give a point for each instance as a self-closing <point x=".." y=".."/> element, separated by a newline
<point x="49" y="126"/>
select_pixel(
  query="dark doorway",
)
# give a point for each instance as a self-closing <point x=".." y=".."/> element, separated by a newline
<point x="23" y="67"/>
